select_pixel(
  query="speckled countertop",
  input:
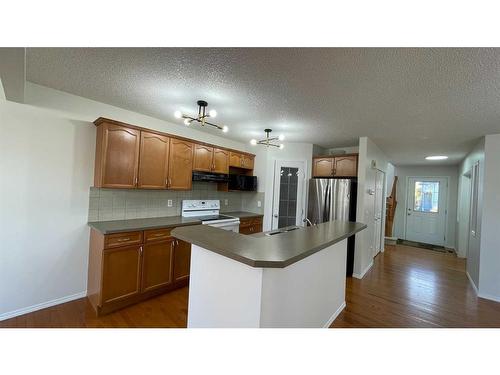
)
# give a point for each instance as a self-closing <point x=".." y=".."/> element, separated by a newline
<point x="117" y="226"/>
<point x="276" y="251"/>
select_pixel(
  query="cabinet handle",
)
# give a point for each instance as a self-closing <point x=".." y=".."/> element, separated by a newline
<point x="141" y="249"/>
<point x="123" y="239"/>
<point x="166" y="182"/>
<point x="136" y="180"/>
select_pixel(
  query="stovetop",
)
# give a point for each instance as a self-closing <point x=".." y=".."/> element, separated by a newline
<point x="212" y="217"/>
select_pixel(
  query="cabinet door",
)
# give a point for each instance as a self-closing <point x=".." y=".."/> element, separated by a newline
<point x="323" y="167"/>
<point x="221" y="161"/>
<point x="180" y="165"/>
<point x="157" y="262"/>
<point x="118" y="156"/>
<point x="121" y="273"/>
<point x="235" y="160"/>
<point x="203" y="158"/>
<point x="182" y="260"/>
<point x="153" y="161"/>
<point x="248" y="161"/>
<point x="346" y="166"/>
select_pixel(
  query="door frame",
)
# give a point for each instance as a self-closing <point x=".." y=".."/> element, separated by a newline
<point x="275" y="201"/>
<point x="382" y="214"/>
<point x="446" y="207"/>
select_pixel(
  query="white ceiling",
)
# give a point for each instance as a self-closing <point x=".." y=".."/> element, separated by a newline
<point x="411" y="102"/>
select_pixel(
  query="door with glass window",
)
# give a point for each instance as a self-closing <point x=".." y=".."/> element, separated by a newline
<point x="289" y="194"/>
<point x="426" y="210"/>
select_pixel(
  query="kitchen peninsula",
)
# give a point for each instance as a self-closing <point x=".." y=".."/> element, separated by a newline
<point x="292" y="278"/>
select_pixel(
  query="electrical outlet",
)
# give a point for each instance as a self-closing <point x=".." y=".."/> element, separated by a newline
<point x="169" y="203"/>
<point x="226" y="202"/>
<point x="259" y="204"/>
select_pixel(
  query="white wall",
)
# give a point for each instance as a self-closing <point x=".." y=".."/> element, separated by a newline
<point x="403" y="172"/>
<point x="13" y="73"/>
<point x="365" y="240"/>
<point x="389" y="179"/>
<point x="489" y="271"/>
<point x="473" y="255"/>
<point x="264" y="170"/>
<point x="47" y="167"/>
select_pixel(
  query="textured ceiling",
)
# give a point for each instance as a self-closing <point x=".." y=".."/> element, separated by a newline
<point x="411" y="102"/>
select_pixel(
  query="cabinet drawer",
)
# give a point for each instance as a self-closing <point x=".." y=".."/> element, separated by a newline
<point x="123" y="239"/>
<point x="246" y="222"/>
<point x="257" y="221"/>
<point x="157" y="234"/>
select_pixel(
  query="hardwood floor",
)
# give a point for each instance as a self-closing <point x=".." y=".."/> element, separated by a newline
<point x="413" y="287"/>
<point x="406" y="287"/>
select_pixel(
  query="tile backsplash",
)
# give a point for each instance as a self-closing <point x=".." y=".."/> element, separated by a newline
<point x="119" y="204"/>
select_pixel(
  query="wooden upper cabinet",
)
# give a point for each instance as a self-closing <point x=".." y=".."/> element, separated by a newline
<point x="117" y="156"/>
<point x="121" y="272"/>
<point x="153" y="161"/>
<point x="235" y="159"/>
<point x="346" y="166"/>
<point x="323" y="167"/>
<point x="336" y="166"/>
<point x="180" y="167"/>
<point x="157" y="264"/>
<point x="221" y="161"/>
<point x="247" y="161"/>
<point x="203" y="158"/>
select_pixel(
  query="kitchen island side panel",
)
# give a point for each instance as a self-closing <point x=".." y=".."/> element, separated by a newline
<point x="307" y="294"/>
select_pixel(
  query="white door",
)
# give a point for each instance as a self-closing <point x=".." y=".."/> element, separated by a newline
<point x="426" y="209"/>
<point x="378" y="211"/>
<point x="289" y="194"/>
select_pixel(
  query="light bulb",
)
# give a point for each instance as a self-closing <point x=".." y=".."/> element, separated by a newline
<point x="253" y="142"/>
<point x="225" y="129"/>
<point x="281" y="137"/>
<point x="212" y="113"/>
<point x="282" y="146"/>
<point x="177" y="114"/>
<point x="187" y="122"/>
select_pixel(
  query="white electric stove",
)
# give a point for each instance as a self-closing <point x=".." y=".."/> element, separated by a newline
<point x="208" y="212"/>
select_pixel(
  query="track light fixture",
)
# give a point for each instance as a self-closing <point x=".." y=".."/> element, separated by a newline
<point x="202" y="116"/>
<point x="269" y="141"/>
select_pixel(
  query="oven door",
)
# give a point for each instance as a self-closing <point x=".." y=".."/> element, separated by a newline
<point x="233" y="226"/>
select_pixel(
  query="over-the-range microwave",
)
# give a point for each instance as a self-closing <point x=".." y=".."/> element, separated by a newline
<point x="242" y="182"/>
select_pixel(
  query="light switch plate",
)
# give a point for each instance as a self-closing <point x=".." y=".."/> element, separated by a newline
<point x="259" y="204"/>
<point x="225" y="202"/>
<point x="169" y="203"/>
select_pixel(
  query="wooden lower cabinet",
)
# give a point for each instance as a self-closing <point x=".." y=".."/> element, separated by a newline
<point x="250" y="225"/>
<point x="122" y="275"/>
<point x="157" y="265"/>
<point x="182" y="260"/>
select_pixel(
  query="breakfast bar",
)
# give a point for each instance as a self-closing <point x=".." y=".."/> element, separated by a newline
<point x="291" y="277"/>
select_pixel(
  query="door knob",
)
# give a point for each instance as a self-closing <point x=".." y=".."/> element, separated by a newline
<point x="275" y="215"/>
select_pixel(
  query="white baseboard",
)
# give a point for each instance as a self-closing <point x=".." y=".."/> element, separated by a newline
<point x="472" y="283"/>
<point x="334" y="316"/>
<point x="362" y="274"/>
<point x="489" y="296"/>
<point x="43" y="305"/>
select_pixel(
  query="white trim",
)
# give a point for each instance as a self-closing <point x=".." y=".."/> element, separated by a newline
<point x="489" y="296"/>
<point x="360" y="276"/>
<point x="334" y="316"/>
<point x="472" y="283"/>
<point x="43" y="305"/>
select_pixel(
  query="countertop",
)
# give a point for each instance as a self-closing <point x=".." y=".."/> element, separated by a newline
<point x="117" y="226"/>
<point x="242" y="214"/>
<point x="276" y="251"/>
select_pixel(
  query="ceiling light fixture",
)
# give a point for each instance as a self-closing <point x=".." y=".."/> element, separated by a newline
<point x="436" y="157"/>
<point x="269" y="141"/>
<point x="202" y="116"/>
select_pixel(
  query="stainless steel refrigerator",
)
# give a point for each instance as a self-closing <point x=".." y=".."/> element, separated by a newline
<point x="334" y="199"/>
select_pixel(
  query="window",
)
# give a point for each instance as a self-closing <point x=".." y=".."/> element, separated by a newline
<point x="426" y="196"/>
